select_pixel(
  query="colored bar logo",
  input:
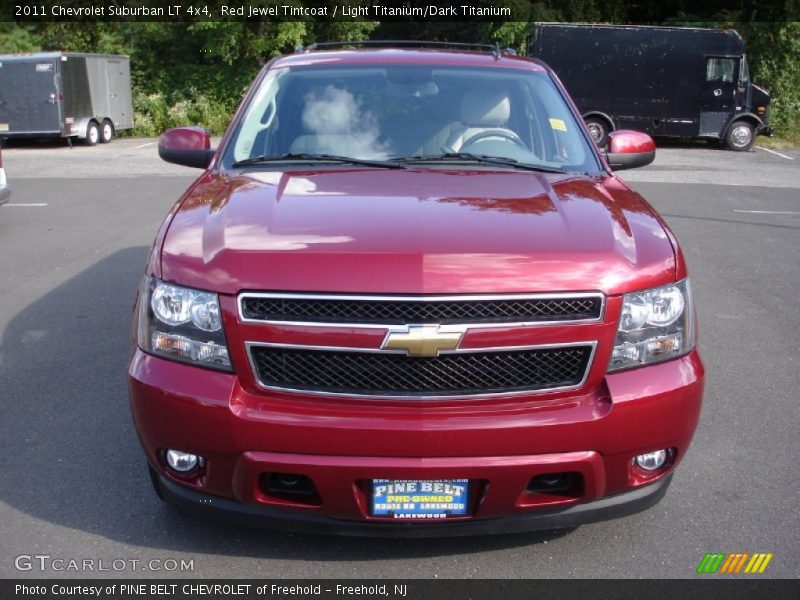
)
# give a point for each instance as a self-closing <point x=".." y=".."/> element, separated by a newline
<point x="735" y="562"/>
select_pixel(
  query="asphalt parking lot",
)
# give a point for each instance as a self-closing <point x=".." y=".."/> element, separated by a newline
<point x="73" y="243"/>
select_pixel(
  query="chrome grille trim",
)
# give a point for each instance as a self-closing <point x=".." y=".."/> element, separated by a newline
<point x="423" y="298"/>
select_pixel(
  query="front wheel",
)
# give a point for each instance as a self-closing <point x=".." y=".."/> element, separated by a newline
<point x="92" y="134"/>
<point x="599" y="130"/>
<point x="740" y="136"/>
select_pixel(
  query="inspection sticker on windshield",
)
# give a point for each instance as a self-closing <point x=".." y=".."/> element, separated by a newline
<point x="558" y="125"/>
<point x="420" y="499"/>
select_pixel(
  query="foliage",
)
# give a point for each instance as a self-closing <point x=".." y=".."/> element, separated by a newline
<point x="15" y="38"/>
<point x="155" y="114"/>
<point x="774" y="54"/>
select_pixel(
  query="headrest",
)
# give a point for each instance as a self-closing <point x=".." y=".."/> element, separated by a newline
<point x="485" y="107"/>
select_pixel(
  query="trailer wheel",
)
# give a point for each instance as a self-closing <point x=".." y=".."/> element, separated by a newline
<point x="92" y="134"/>
<point x="106" y="132"/>
<point x="740" y="136"/>
<point x="599" y="130"/>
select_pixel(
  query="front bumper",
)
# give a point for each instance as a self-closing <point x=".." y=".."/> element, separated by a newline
<point x="499" y="445"/>
<point x="239" y="513"/>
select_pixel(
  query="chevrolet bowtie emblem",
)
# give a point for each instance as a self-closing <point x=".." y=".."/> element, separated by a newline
<point x="423" y="340"/>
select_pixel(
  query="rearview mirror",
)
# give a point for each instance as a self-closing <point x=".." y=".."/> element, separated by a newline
<point x="187" y="146"/>
<point x="629" y="149"/>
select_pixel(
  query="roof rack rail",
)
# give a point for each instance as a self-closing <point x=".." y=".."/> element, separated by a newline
<point x="493" y="48"/>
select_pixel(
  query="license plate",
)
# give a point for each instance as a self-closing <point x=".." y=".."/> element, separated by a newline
<point x="420" y="499"/>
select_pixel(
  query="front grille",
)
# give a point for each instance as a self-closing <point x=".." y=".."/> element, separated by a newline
<point x="396" y="311"/>
<point x="386" y="374"/>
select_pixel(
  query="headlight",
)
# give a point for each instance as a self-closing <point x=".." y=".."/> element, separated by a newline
<point x="182" y="324"/>
<point x="654" y="325"/>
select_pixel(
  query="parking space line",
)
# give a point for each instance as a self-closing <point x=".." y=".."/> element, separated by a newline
<point x="769" y="212"/>
<point x="20" y="205"/>
<point x="144" y="145"/>
<point x="775" y="153"/>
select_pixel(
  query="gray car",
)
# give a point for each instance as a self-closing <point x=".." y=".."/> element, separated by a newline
<point x="5" y="189"/>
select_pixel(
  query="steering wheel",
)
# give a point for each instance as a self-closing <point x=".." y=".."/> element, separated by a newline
<point x="506" y="134"/>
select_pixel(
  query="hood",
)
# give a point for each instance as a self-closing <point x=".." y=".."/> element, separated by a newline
<point x="415" y="231"/>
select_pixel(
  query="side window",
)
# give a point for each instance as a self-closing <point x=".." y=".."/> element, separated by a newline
<point x="720" y="69"/>
<point x="559" y="138"/>
<point x="255" y="127"/>
<point x="744" y="75"/>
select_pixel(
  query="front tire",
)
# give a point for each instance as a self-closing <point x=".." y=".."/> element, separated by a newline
<point x="741" y="136"/>
<point x="599" y="130"/>
<point x="155" y="481"/>
<point x="92" y="134"/>
<point x="106" y="132"/>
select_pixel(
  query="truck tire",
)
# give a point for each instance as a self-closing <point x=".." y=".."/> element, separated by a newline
<point x="741" y="136"/>
<point x="599" y="130"/>
<point x="106" y="132"/>
<point x="92" y="134"/>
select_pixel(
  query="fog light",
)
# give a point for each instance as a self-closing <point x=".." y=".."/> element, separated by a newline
<point x="183" y="462"/>
<point x="651" y="461"/>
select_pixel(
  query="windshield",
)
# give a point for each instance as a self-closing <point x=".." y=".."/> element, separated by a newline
<point x="414" y="113"/>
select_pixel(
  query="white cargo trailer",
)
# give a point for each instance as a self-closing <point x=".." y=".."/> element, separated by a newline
<point x="65" y="94"/>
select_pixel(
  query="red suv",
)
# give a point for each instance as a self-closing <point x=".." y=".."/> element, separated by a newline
<point x="408" y="295"/>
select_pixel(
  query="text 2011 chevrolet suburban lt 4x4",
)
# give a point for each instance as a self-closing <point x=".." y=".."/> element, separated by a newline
<point x="409" y="296"/>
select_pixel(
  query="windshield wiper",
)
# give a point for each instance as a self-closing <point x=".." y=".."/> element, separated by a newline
<point x="481" y="158"/>
<point x="307" y="157"/>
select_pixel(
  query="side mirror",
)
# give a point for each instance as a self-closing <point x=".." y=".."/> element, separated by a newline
<point x="187" y="146"/>
<point x="629" y="149"/>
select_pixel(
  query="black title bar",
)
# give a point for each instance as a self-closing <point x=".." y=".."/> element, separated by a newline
<point x="496" y="11"/>
<point x="412" y="589"/>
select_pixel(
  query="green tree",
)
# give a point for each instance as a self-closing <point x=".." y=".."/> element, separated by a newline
<point x="18" y="38"/>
